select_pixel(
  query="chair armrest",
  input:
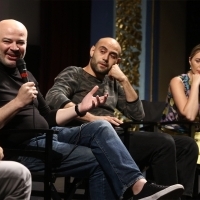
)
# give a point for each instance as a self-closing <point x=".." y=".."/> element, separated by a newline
<point x="9" y="132"/>
<point x="179" y="122"/>
<point x="19" y="131"/>
<point x="183" y="122"/>
<point x="36" y="152"/>
<point x="45" y="154"/>
<point x="129" y="124"/>
<point x="125" y="129"/>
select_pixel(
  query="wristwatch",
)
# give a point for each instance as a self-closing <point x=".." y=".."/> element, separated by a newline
<point x="78" y="112"/>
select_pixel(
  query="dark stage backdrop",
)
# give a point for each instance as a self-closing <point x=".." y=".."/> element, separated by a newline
<point x="192" y="27"/>
<point x="65" y="37"/>
<point x="32" y="59"/>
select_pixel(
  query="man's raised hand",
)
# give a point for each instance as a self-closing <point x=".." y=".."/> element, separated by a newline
<point x="90" y="101"/>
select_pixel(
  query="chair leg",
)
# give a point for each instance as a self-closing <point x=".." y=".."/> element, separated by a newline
<point x="87" y="193"/>
<point x="54" y="193"/>
<point x="71" y="187"/>
<point x="196" y="192"/>
<point x="48" y="164"/>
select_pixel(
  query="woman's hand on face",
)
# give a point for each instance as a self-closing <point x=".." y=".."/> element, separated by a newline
<point x="196" y="79"/>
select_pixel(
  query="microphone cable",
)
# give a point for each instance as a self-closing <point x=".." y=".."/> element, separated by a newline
<point x="34" y="127"/>
<point x="76" y="143"/>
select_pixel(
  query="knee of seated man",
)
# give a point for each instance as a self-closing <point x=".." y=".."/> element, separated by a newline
<point x="187" y="142"/>
<point x="21" y="172"/>
<point x="166" y="139"/>
<point x="192" y="145"/>
<point x="101" y="124"/>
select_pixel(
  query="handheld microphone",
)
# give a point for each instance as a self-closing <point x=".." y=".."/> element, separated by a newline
<point x="21" y="66"/>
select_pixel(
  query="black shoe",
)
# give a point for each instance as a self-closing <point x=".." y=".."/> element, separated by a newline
<point x="151" y="191"/>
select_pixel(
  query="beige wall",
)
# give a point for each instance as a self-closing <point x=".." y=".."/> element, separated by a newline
<point x="171" y="43"/>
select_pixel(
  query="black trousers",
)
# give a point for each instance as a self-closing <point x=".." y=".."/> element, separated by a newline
<point x="171" y="159"/>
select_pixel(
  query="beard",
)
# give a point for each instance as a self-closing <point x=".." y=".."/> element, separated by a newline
<point x="98" y="70"/>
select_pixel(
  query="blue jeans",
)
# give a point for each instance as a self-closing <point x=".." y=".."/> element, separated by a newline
<point x="100" y="155"/>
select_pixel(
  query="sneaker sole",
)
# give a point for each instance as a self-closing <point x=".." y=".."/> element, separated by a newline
<point x="169" y="193"/>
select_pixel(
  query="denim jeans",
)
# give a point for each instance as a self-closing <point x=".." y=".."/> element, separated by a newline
<point x="98" y="154"/>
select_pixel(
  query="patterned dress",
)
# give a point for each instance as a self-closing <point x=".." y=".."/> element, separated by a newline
<point x="171" y="112"/>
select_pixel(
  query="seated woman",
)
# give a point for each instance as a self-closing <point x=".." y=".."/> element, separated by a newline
<point x="182" y="102"/>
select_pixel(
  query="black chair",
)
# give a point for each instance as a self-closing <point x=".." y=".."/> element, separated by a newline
<point x="151" y="122"/>
<point x="191" y="133"/>
<point x="37" y="153"/>
<point x="46" y="177"/>
<point x="153" y="112"/>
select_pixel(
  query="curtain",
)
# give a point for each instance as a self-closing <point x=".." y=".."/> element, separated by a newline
<point x="65" y="37"/>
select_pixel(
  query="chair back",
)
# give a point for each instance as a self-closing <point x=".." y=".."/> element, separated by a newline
<point x="44" y="154"/>
<point x="153" y="110"/>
